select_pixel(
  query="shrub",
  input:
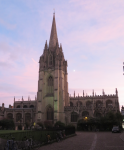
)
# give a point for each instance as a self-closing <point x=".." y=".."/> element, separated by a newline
<point x="48" y="124"/>
<point x="7" y="123"/>
<point x="40" y="124"/>
<point x="59" y="124"/>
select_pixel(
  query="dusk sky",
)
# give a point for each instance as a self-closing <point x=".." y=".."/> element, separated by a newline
<point x="92" y="36"/>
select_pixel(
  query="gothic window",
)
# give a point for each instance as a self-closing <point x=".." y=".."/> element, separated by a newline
<point x="18" y="106"/>
<point x="31" y="106"/>
<point x="79" y="103"/>
<point x="50" y="85"/>
<point x="50" y="114"/>
<point x="18" y="117"/>
<point x="71" y="104"/>
<point x="98" y="103"/>
<point x="10" y="116"/>
<point x="85" y="114"/>
<point x="27" y="117"/>
<point x="50" y="60"/>
<point x="25" y="106"/>
<point x="109" y="103"/>
<point x="74" y="117"/>
<point x="88" y="104"/>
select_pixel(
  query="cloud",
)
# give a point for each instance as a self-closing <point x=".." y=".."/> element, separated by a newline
<point x="34" y="61"/>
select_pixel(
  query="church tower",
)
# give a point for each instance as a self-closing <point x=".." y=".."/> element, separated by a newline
<point x="52" y="93"/>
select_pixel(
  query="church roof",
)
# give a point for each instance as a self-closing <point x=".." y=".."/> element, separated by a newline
<point x="53" y="36"/>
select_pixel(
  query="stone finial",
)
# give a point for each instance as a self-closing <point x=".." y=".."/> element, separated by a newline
<point x="93" y="92"/>
<point x="28" y="98"/>
<point x="22" y="98"/>
<point x="35" y="98"/>
<point x="74" y="93"/>
<point x="46" y="45"/>
<point x="103" y="93"/>
<point x="83" y="93"/>
<point x="14" y="98"/>
<point x="116" y="91"/>
<point x="78" y="94"/>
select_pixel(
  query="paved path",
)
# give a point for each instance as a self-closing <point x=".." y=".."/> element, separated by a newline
<point x="89" y="141"/>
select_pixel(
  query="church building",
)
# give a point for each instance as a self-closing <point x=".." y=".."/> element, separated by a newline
<point x="53" y="102"/>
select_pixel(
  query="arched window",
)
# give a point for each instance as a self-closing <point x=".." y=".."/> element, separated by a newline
<point x="49" y="113"/>
<point x="109" y="103"/>
<point x="25" y="106"/>
<point x="10" y="116"/>
<point x="18" y="106"/>
<point x="98" y="103"/>
<point x="18" y="117"/>
<point x="79" y="103"/>
<point x="31" y="106"/>
<point x="74" y="117"/>
<point x="50" y="60"/>
<point x="50" y="84"/>
<point x="27" y="117"/>
<point x="85" y="114"/>
<point x="88" y="104"/>
<point x="71" y="104"/>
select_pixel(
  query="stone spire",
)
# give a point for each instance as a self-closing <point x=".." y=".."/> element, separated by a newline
<point x="74" y="93"/>
<point x="53" y="37"/>
<point x="83" y="93"/>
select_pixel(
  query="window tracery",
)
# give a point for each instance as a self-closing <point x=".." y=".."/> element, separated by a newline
<point x="50" y="84"/>
<point x="49" y="113"/>
<point x="74" y="117"/>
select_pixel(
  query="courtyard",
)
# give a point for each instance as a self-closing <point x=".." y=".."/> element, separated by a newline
<point x="89" y="141"/>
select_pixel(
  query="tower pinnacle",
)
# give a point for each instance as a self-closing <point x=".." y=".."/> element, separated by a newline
<point x="53" y="36"/>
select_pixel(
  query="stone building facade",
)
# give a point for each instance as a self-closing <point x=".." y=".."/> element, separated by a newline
<point x="53" y="102"/>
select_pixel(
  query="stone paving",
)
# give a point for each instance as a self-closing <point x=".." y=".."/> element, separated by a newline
<point x="89" y="141"/>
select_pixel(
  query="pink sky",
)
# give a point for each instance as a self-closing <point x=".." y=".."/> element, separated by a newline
<point x="91" y="33"/>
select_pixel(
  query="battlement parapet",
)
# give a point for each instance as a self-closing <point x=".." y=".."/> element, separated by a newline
<point x="96" y="97"/>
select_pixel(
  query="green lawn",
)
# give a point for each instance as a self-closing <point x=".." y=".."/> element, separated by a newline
<point x="19" y="134"/>
<point x="11" y="131"/>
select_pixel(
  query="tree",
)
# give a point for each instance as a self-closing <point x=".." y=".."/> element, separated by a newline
<point x="7" y="123"/>
<point x="48" y="124"/>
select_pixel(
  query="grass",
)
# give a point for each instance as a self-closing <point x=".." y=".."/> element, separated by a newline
<point x="11" y="131"/>
<point x="19" y="134"/>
